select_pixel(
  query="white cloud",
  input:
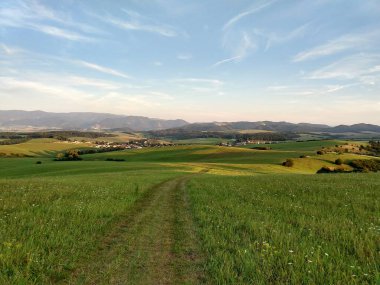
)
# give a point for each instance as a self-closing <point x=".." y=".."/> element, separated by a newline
<point x="213" y="82"/>
<point x="231" y="59"/>
<point x="241" y="45"/>
<point x="184" y="56"/>
<point x="61" y="33"/>
<point x="10" y="51"/>
<point x="306" y="90"/>
<point x="10" y="85"/>
<point x="359" y="67"/>
<point x="200" y="84"/>
<point x="347" y="42"/>
<point x="34" y="16"/>
<point x="273" y="39"/>
<point x="254" y="9"/>
<point x="71" y="92"/>
<point x="102" y="69"/>
<point x="137" y="22"/>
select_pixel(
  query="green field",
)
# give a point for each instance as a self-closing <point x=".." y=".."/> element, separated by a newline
<point x="194" y="214"/>
<point x="39" y="147"/>
<point x="203" y="141"/>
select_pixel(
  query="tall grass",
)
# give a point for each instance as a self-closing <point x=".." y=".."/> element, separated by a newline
<point x="289" y="229"/>
<point x="49" y="224"/>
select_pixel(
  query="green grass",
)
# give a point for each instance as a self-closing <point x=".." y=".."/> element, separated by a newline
<point x="252" y="224"/>
<point x="39" y="147"/>
<point x="203" y="141"/>
<point x="48" y="224"/>
<point x="308" y="146"/>
<point x="295" y="229"/>
<point x="202" y="153"/>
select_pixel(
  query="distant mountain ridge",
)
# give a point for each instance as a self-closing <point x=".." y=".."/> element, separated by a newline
<point x="16" y="119"/>
<point x="275" y="127"/>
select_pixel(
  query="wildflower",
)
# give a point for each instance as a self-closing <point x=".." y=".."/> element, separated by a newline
<point x="326" y="254"/>
<point x="291" y="251"/>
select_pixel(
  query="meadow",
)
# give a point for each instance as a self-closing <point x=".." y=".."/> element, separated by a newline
<point x="289" y="229"/>
<point x="194" y="214"/>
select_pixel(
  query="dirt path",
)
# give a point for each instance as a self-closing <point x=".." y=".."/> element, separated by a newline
<point x="156" y="244"/>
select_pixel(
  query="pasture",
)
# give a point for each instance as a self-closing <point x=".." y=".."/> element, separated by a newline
<point x="194" y="214"/>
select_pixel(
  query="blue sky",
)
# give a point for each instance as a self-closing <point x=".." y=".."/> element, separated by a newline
<point x="298" y="61"/>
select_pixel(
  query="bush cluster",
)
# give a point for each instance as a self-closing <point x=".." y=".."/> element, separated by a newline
<point x="69" y="155"/>
<point x="365" y="165"/>
<point x="288" y="162"/>
<point x="327" y="169"/>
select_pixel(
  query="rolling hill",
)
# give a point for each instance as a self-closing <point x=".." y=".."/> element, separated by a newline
<point x="275" y="127"/>
<point x="16" y="119"/>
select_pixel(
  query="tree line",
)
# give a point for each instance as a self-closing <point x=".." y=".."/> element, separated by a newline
<point x="183" y="134"/>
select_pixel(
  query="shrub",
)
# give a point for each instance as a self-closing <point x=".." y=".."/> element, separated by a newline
<point x="329" y="169"/>
<point x="115" y="159"/>
<point x="68" y="156"/>
<point x="361" y="165"/>
<point x="261" y="147"/>
<point x="319" y="152"/>
<point x="288" y="163"/>
<point x="339" y="161"/>
<point x="38" y="162"/>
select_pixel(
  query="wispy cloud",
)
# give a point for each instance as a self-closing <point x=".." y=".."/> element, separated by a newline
<point x="231" y="59"/>
<point x="16" y="57"/>
<point x="200" y="84"/>
<point x="252" y="10"/>
<point x="213" y="82"/>
<point x="102" y="69"/>
<point x="346" y="42"/>
<point x="61" y="33"/>
<point x="137" y="22"/>
<point x="240" y="48"/>
<point x="184" y="56"/>
<point x="305" y="90"/>
<point x="33" y="15"/>
<point x="360" y="67"/>
<point x="8" y="50"/>
<point x="273" y="38"/>
<point x="12" y="85"/>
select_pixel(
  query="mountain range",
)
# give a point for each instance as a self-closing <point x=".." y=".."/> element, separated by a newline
<point x="278" y="127"/>
<point x="16" y="120"/>
<point x="19" y="120"/>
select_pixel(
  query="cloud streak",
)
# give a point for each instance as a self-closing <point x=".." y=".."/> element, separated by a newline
<point x="361" y="67"/>
<point x="344" y="43"/>
<point x="200" y="84"/>
<point x="137" y="22"/>
<point x="32" y="15"/>
<point x="223" y="61"/>
<point x="102" y="69"/>
<point x="254" y="9"/>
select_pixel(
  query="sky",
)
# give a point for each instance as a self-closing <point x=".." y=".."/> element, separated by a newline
<point x="201" y="60"/>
